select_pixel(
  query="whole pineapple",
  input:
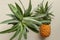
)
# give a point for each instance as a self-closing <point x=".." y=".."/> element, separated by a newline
<point x="45" y="30"/>
<point x="45" y="16"/>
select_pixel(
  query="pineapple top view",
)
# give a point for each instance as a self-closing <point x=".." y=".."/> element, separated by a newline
<point x="38" y="21"/>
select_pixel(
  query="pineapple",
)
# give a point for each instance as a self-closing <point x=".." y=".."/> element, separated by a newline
<point x="45" y="30"/>
<point x="43" y="12"/>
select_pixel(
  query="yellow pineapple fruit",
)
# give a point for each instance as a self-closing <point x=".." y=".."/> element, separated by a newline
<point x="45" y="30"/>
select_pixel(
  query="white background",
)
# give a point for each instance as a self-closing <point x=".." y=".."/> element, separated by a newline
<point x="55" y="25"/>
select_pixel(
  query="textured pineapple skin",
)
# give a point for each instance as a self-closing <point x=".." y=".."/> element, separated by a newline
<point x="45" y="30"/>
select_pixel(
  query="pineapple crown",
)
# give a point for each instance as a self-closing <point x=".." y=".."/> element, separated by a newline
<point x="21" y="21"/>
<point x="44" y="13"/>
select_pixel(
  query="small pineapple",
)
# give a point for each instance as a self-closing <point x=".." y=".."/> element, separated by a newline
<point x="45" y="17"/>
<point x="45" y="30"/>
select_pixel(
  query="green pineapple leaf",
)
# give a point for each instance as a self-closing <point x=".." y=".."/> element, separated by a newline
<point x="9" y="21"/>
<point x="20" y="13"/>
<point x="25" y="35"/>
<point x="25" y="32"/>
<point x="46" y="21"/>
<point x="32" y="20"/>
<point x="19" y="9"/>
<point x="32" y="26"/>
<point x="12" y="15"/>
<point x="21" y="32"/>
<point x="46" y="7"/>
<point x="14" y="10"/>
<point x="42" y="8"/>
<point x="10" y="30"/>
<point x="16" y="33"/>
<point x="34" y="30"/>
<point x="51" y="14"/>
<point x="27" y="12"/>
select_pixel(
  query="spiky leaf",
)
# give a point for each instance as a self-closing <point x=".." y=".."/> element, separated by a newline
<point x="21" y="32"/>
<point x="10" y="30"/>
<point x="27" y="12"/>
<point x="14" y="10"/>
<point x="19" y="11"/>
<point x="12" y="15"/>
<point x="32" y="26"/>
<point x="25" y="32"/>
<point x="9" y="21"/>
<point x="46" y="7"/>
<point x="32" y="20"/>
<point x="16" y="33"/>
